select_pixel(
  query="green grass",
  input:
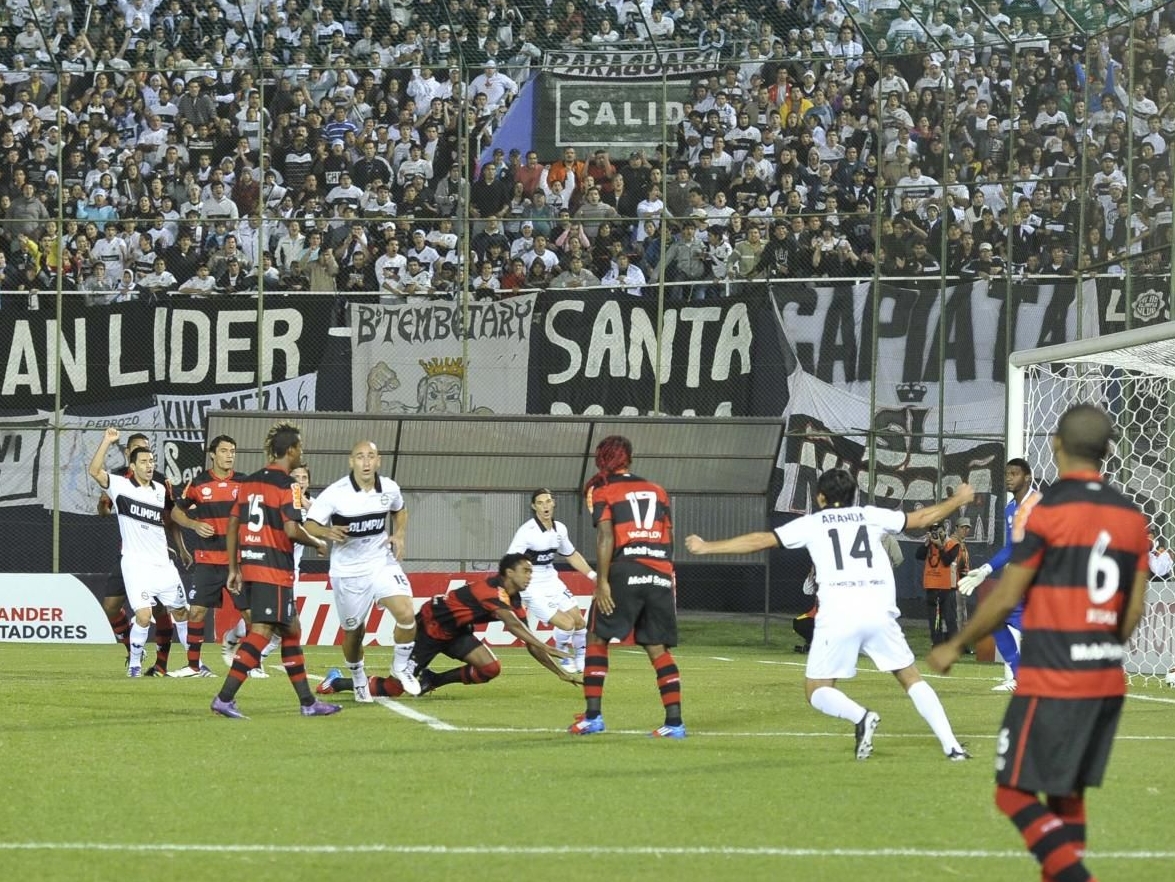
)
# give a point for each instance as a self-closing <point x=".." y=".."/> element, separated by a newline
<point x="97" y="766"/>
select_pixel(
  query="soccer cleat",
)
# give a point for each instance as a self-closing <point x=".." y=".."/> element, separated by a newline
<point x="1006" y="686"/>
<point x="327" y="687"/>
<point x="259" y="673"/>
<point x="155" y="671"/>
<point x="568" y="665"/>
<point x="865" y="730"/>
<point x="676" y="732"/>
<point x="958" y="754"/>
<point x="320" y="709"/>
<point x="584" y="726"/>
<point x="363" y="694"/>
<point x="227" y="709"/>
<point x="408" y="681"/>
<point x="189" y="671"/>
<point x="134" y="672"/>
<point x="427" y="681"/>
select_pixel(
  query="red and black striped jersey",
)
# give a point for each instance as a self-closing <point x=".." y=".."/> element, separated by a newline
<point x="642" y="528"/>
<point x="211" y="499"/>
<point x="1086" y="542"/>
<point x="447" y="615"/>
<point x="266" y="500"/>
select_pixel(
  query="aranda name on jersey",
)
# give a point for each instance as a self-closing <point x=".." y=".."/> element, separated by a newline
<point x="841" y="517"/>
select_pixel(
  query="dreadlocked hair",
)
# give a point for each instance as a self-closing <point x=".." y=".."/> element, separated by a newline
<point x="613" y="454"/>
<point x="281" y="437"/>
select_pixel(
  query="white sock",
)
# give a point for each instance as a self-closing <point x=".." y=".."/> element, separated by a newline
<point x="402" y="656"/>
<point x="181" y="634"/>
<point x="236" y="633"/>
<point x="830" y="700"/>
<point x="358" y="674"/>
<point x="274" y="642"/>
<point x="1007" y="671"/>
<point x="562" y="638"/>
<point x="926" y="702"/>
<point x="579" y="642"/>
<point x="138" y="640"/>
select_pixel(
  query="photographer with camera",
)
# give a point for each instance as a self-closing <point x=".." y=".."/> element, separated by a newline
<point x="940" y="552"/>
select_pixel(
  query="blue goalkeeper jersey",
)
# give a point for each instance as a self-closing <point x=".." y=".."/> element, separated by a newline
<point x="1001" y="558"/>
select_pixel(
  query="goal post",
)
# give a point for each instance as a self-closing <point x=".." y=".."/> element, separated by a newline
<point x="1132" y="375"/>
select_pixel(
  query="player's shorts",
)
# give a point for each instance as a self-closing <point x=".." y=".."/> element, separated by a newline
<point x="270" y="604"/>
<point x="546" y="595"/>
<point x="208" y="587"/>
<point x="1056" y="745"/>
<point x="115" y="586"/>
<point x="354" y="595"/>
<point x="645" y="604"/>
<point x="149" y="583"/>
<point x="836" y="646"/>
<point x="455" y="647"/>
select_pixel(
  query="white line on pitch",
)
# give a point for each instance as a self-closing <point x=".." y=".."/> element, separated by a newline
<point x="633" y="850"/>
<point x="398" y="707"/>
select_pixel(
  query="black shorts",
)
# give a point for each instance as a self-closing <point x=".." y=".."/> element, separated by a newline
<point x="1056" y="746"/>
<point x="645" y="604"/>
<point x="208" y="587"/>
<point x="428" y="647"/>
<point x="115" y="586"/>
<point x="270" y="604"/>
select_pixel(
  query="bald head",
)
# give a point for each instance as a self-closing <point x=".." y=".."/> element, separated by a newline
<point x="364" y="445"/>
<point x="1084" y="433"/>
<point x="364" y="461"/>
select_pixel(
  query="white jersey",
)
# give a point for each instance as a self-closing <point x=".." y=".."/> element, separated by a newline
<point x="540" y="545"/>
<point x="852" y="568"/>
<point x="140" y="518"/>
<point x="365" y="515"/>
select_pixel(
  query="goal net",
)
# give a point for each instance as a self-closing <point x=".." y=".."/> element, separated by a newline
<point x="1132" y="376"/>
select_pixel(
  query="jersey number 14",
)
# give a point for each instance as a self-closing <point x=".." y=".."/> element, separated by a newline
<point x="860" y="548"/>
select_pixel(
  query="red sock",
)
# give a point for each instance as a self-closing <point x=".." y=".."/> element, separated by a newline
<point x="1045" y="835"/>
<point x="121" y="626"/>
<point x="195" y="643"/>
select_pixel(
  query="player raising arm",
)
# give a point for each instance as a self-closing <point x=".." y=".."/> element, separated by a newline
<point x="1080" y="570"/>
<point x="858" y="605"/>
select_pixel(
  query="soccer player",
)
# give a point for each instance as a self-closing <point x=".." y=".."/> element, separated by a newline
<point x="858" y="606"/>
<point x="1018" y="481"/>
<point x="444" y="626"/>
<point x="114" y="604"/>
<point x="260" y="538"/>
<point x="205" y="507"/>
<point x="365" y="561"/>
<point x="634" y="550"/>
<point x="149" y="575"/>
<point x="1079" y="568"/>
<point x="540" y="539"/>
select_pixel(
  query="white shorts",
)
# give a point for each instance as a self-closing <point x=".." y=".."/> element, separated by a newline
<point x="149" y="583"/>
<point x="546" y="595"/>
<point x="836" y="646"/>
<point x="355" y="595"/>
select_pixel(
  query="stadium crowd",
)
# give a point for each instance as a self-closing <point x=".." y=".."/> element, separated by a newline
<point x="155" y="148"/>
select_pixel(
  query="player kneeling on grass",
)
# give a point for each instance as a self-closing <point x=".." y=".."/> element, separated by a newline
<point x="149" y="575"/>
<point x="858" y="607"/>
<point x="444" y="626"/>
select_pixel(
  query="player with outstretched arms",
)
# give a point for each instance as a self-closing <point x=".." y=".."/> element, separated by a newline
<point x="1079" y="571"/>
<point x="150" y="577"/>
<point x="365" y="518"/>
<point x="858" y="600"/>
<point x="547" y="598"/>
<point x="1018" y="481"/>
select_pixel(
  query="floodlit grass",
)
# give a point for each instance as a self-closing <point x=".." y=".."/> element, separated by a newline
<point x="109" y="778"/>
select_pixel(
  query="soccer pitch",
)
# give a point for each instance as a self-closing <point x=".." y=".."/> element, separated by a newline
<point x="110" y="778"/>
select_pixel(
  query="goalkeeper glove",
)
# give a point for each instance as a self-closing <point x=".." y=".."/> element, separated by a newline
<point x="973" y="580"/>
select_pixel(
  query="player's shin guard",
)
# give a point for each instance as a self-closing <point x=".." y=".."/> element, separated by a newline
<point x="181" y="633"/>
<point x="247" y="658"/>
<point x="1045" y="835"/>
<point x="579" y="644"/>
<point x="669" y="683"/>
<point x="830" y="700"/>
<point x="295" y="664"/>
<point x="1071" y="810"/>
<point x="138" y="640"/>
<point x="930" y="708"/>
<point x="562" y="638"/>
<point x="358" y="674"/>
<point x="595" y="670"/>
<point x="402" y="655"/>
<point x="164" y="634"/>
